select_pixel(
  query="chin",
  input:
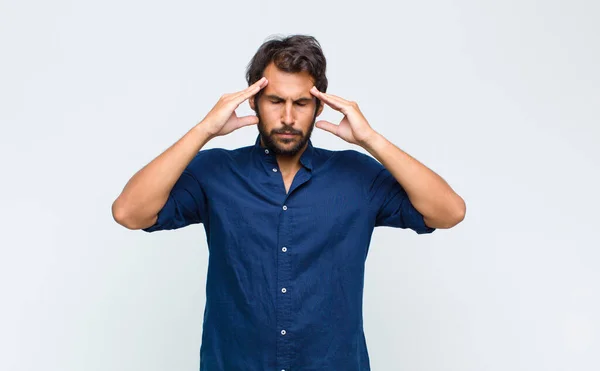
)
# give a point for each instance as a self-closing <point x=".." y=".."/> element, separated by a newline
<point x="287" y="147"/>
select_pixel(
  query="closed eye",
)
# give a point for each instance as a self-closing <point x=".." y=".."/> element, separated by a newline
<point x="302" y="102"/>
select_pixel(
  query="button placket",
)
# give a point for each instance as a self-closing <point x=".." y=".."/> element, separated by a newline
<point x="284" y="279"/>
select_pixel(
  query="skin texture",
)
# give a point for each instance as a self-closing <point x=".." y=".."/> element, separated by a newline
<point x="286" y="105"/>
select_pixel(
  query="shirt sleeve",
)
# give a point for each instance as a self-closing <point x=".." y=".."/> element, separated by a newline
<point x="391" y="203"/>
<point x="186" y="203"/>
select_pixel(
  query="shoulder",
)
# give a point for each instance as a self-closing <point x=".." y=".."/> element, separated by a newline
<point x="353" y="159"/>
<point x="217" y="157"/>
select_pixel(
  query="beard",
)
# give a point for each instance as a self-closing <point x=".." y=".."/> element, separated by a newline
<point x="275" y="145"/>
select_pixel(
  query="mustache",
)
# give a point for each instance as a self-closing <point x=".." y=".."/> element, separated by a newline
<point x="286" y="131"/>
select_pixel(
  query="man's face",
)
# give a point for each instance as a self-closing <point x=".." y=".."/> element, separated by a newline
<point x="286" y="111"/>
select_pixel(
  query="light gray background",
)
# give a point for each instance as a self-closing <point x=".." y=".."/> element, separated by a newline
<point x="499" y="98"/>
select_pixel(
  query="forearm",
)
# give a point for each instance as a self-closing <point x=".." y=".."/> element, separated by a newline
<point x="431" y="195"/>
<point x="148" y="190"/>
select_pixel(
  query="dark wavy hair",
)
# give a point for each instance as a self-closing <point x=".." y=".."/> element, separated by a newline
<point x="295" y="53"/>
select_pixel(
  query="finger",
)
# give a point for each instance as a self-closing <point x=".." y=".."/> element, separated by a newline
<point x="330" y="96"/>
<point x="250" y="90"/>
<point x="258" y="83"/>
<point x="325" y="98"/>
<point x="336" y="98"/>
<point x="340" y="101"/>
<point x="247" y="120"/>
<point x="244" y="95"/>
<point x="333" y="101"/>
<point x="327" y="126"/>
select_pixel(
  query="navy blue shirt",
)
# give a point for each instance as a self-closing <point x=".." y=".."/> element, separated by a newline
<point x="284" y="288"/>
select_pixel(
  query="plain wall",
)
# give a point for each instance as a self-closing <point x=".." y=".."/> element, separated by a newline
<point x="502" y="99"/>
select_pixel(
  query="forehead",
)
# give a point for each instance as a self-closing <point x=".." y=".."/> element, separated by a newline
<point x="287" y="85"/>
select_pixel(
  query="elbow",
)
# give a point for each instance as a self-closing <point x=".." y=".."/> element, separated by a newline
<point x="449" y="218"/>
<point x="459" y="213"/>
<point x="121" y="215"/>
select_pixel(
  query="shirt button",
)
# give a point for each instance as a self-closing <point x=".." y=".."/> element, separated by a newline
<point x="283" y="332"/>
<point x="284" y="290"/>
<point x="284" y="207"/>
<point x="284" y="249"/>
<point x="267" y="151"/>
<point x="274" y="170"/>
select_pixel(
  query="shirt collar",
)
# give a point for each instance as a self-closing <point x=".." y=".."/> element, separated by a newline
<point x="305" y="158"/>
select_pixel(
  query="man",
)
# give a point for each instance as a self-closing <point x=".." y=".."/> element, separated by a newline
<point x="288" y="225"/>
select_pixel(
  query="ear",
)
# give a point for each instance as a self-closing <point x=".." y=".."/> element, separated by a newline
<point x="321" y="106"/>
<point x="251" y="102"/>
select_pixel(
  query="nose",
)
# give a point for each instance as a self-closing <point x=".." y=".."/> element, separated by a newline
<point x="287" y="115"/>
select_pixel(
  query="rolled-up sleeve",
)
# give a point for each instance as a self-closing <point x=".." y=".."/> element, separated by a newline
<point x="186" y="203"/>
<point x="391" y="203"/>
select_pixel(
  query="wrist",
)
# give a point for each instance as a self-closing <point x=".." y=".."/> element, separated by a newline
<point x="203" y="132"/>
<point x="372" y="141"/>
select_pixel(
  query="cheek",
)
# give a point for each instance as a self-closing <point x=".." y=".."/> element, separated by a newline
<point x="306" y="113"/>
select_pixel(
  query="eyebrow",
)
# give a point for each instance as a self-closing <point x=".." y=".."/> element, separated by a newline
<point x="299" y="100"/>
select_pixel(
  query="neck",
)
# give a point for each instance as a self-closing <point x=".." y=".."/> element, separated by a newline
<point x="289" y="164"/>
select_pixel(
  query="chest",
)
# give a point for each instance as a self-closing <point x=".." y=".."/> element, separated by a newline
<point x="307" y="203"/>
<point x="252" y="218"/>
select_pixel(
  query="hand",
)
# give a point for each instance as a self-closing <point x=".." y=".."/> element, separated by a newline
<point x="222" y="119"/>
<point x="353" y="128"/>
